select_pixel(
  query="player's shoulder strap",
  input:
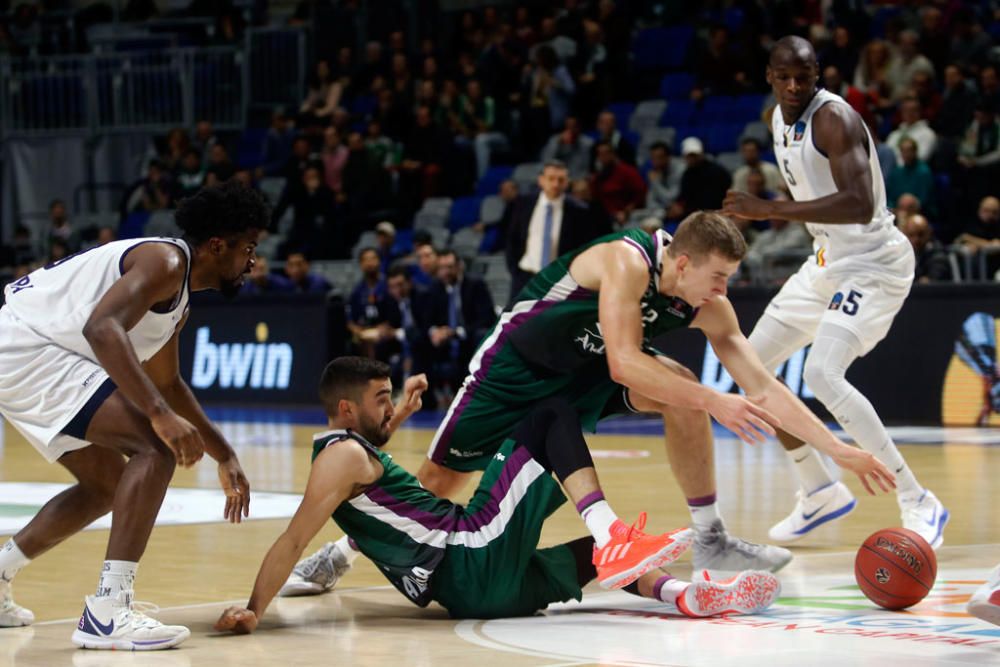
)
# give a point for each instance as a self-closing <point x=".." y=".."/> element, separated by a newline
<point x="323" y="440"/>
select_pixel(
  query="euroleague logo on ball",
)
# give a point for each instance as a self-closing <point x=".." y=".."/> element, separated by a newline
<point x="902" y="549"/>
<point x="882" y="575"/>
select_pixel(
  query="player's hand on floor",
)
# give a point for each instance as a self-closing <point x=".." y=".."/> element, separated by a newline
<point x="237" y="620"/>
<point x="868" y="468"/>
<point x="751" y="423"/>
<point x="180" y="436"/>
<point x="237" y="488"/>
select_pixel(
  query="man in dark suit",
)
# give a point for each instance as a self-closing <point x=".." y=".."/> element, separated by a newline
<point x="461" y="313"/>
<point x="409" y="327"/>
<point x="546" y="225"/>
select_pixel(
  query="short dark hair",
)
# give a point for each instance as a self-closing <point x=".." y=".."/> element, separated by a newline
<point x="366" y="249"/>
<point x="659" y="145"/>
<point x="398" y="269"/>
<point x="226" y="211"/>
<point x="554" y="164"/>
<point x="750" y="140"/>
<point x="346" y="377"/>
<point x="705" y="232"/>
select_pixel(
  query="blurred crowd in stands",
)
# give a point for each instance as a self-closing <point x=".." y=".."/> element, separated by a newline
<point x="521" y="132"/>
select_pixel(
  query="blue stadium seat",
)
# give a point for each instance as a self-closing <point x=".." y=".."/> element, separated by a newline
<point x="622" y="111"/>
<point x="747" y="108"/>
<point x="489" y="184"/>
<point x="250" y="149"/>
<point x="363" y="105"/>
<point x="676" y="86"/>
<point x="881" y="17"/>
<point x="716" y="109"/>
<point x="679" y="112"/>
<point x="132" y="227"/>
<point x="661" y="48"/>
<point x="723" y="137"/>
<point x="464" y="212"/>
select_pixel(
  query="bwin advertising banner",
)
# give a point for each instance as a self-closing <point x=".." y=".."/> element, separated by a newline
<point x="260" y="350"/>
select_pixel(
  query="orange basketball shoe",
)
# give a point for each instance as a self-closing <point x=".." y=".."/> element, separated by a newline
<point x="748" y="592"/>
<point x="632" y="553"/>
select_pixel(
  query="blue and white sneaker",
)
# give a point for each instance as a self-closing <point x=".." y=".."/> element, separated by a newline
<point x="813" y="510"/>
<point x="116" y="623"/>
<point x="927" y="518"/>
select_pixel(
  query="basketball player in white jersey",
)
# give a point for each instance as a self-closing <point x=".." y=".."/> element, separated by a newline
<point x="845" y="296"/>
<point x="89" y="376"/>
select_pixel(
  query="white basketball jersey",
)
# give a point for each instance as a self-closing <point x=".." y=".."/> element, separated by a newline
<point x="56" y="300"/>
<point x="807" y="172"/>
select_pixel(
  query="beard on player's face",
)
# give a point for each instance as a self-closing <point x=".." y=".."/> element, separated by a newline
<point x="374" y="428"/>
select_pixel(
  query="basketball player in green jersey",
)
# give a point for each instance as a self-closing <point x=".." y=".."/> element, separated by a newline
<point x="480" y="560"/>
<point x="581" y="330"/>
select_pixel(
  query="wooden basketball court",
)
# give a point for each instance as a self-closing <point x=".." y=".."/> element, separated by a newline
<point x="194" y="570"/>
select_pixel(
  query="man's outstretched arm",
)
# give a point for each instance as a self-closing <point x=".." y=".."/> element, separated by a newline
<point x="718" y="321"/>
<point x="336" y="473"/>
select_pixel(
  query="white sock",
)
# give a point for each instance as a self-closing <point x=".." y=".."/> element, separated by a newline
<point x="856" y="414"/>
<point x="809" y="467"/>
<point x="599" y="518"/>
<point x="667" y="589"/>
<point x="349" y="552"/>
<point x="703" y="516"/>
<point x="117" y="576"/>
<point x="12" y="559"/>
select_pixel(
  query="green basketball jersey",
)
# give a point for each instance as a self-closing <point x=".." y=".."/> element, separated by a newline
<point x="399" y="525"/>
<point x="557" y="320"/>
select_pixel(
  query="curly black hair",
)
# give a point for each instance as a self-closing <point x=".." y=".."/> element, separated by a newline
<point x="226" y="210"/>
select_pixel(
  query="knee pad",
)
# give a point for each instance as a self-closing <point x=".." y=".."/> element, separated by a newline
<point x="825" y="374"/>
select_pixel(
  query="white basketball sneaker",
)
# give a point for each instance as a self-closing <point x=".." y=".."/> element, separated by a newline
<point x="813" y="510"/>
<point x="927" y="518"/>
<point x="747" y="593"/>
<point x="985" y="602"/>
<point x="723" y="555"/>
<point x="12" y="615"/>
<point x="117" y="623"/>
<point x="316" y="574"/>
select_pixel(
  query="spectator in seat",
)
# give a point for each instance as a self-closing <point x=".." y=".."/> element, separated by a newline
<point x="409" y="326"/>
<point x="190" y="176"/>
<point x="424" y="269"/>
<point x="303" y="282"/>
<point x="220" y="167"/>
<point x="461" y="313"/>
<point x="913" y="126"/>
<point x="912" y="176"/>
<point x="958" y="105"/>
<point x="704" y="183"/>
<point x="906" y="205"/>
<point x="663" y="177"/>
<point x="334" y="157"/>
<point x="262" y="281"/>
<point x="316" y="224"/>
<point x="385" y="245"/>
<point x="618" y="188"/>
<point x="323" y="97"/>
<point x="277" y="145"/>
<point x="750" y="150"/>
<point x="370" y="310"/>
<point x="569" y="224"/>
<point x="607" y="130"/>
<point x="60" y="228"/>
<point x="931" y="258"/>
<point x="570" y="147"/>
<point x="833" y="80"/>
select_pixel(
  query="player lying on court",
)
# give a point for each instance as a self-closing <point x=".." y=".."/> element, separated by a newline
<point x="582" y="330"/>
<point x="845" y="296"/>
<point x="89" y="375"/>
<point x="480" y="560"/>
